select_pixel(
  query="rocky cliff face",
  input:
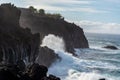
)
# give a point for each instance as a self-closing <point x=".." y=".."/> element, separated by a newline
<point x="8" y="14"/>
<point x="16" y="43"/>
<point x="72" y="34"/>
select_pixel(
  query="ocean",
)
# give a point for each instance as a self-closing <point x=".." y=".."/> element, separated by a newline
<point x="92" y="63"/>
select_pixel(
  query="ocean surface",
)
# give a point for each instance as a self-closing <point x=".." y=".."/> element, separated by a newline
<point x="93" y="63"/>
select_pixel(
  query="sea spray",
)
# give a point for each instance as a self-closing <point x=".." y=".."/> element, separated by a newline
<point x="53" y="42"/>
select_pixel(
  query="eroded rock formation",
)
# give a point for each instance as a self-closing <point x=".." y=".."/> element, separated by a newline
<point x="72" y="34"/>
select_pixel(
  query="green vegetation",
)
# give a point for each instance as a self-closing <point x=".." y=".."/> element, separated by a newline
<point x="32" y="9"/>
<point x="41" y="12"/>
<point x="56" y="15"/>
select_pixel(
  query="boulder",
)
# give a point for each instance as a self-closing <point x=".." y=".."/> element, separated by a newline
<point x="7" y="75"/>
<point x="52" y="77"/>
<point x="102" y="79"/>
<point x="12" y="72"/>
<point x="111" y="47"/>
<point x="46" y="56"/>
<point x="37" y="72"/>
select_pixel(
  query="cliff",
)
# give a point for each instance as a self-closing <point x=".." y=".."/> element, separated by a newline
<point x="72" y="34"/>
<point x="16" y="43"/>
<point x="19" y="46"/>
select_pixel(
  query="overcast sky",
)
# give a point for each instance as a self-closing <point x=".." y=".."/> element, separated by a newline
<point x="98" y="16"/>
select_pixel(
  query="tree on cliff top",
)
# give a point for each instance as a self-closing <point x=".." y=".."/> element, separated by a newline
<point x="32" y="9"/>
<point x="41" y="12"/>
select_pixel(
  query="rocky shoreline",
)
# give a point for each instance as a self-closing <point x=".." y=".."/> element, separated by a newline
<point x="33" y="72"/>
<point x="20" y="43"/>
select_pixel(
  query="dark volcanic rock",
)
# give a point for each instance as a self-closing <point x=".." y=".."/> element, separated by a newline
<point x="16" y="43"/>
<point x="37" y="72"/>
<point x="46" y="56"/>
<point x="72" y="34"/>
<point x="8" y="12"/>
<point x="52" y="77"/>
<point x="7" y="75"/>
<point x="21" y="65"/>
<point x="111" y="47"/>
<point x="12" y="72"/>
<point x="102" y="79"/>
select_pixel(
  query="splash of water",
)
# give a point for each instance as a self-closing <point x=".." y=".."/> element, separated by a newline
<point x="75" y="75"/>
<point x="53" y="42"/>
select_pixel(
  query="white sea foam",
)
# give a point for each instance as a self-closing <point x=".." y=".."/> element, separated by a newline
<point x="72" y="68"/>
<point x="53" y="42"/>
<point x="75" y="75"/>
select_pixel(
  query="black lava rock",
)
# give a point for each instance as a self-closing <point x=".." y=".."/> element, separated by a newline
<point x="102" y="79"/>
<point x="111" y="47"/>
<point x="37" y="71"/>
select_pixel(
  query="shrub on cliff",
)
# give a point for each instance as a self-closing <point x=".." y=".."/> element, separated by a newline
<point x="55" y="15"/>
<point x="32" y="9"/>
<point x="41" y="12"/>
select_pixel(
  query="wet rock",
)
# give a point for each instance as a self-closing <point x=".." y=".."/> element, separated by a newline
<point x="46" y="56"/>
<point x="52" y="77"/>
<point x="21" y="65"/>
<point x="12" y="72"/>
<point x="6" y="74"/>
<point x="102" y="79"/>
<point x="37" y="72"/>
<point x="111" y="47"/>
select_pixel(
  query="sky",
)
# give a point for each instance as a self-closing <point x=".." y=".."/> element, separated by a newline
<point x="94" y="16"/>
